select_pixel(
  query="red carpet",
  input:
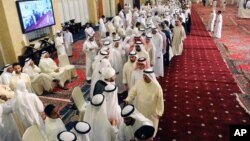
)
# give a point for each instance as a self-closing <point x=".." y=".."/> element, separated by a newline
<point x="198" y="92"/>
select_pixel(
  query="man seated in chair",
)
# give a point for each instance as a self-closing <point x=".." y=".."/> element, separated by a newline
<point x="53" y="123"/>
<point x="65" y="64"/>
<point x="48" y="66"/>
<point x="20" y="76"/>
<point x="39" y="81"/>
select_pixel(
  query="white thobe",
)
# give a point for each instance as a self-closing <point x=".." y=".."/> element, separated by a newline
<point x="117" y="63"/>
<point x="110" y="27"/>
<point x="211" y="21"/>
<point x="53" y="127"/>
<point x="102" y="28"/>
<point x="218" y="26"/>
<point x="9" y="130"/>
<point x="117" y="21"/>
<point x="148" y="95"/>
<point x="23" y="76"/>
<point x="89" y="31"/>
<point x="157" y="40"/>
<point x="223" y="4"/>
<point x="39" y="81"/>
<point x="89" y="49"/>
<point x="68" y="39"/>
<point x="214" y="4"/>
<point x="59" y="44"/>
<point x="101" y="129"/>
<point x="127" y="72"/>
<point x="178" y="37"/>
<point x="48" y="66"/>
<point x="6" y="77"/>
<point x="103" y="63"/>
<point x="150" y="48"/>
<point x="30" y="114"/>
<point x="113" y="113"/>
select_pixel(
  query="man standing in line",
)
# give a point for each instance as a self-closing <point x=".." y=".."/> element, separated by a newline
<point x="89" y="47"/>
<point x="68" y="38"/>
<point x="218" y="25"/>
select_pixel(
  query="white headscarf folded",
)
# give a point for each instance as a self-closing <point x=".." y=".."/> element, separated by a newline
<point x="81" y="130"/>
<point x="131" y="111"/>
<point x="27" y="62"/>
<point x="107" y="72"/>
<point x="43" y="54"/>
<point x="7" y="66"/>
<point x="113" y="108"/>
<point x="66" y="136"/>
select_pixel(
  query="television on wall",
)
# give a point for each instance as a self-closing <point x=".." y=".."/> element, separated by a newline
<point x="35" y="14"/>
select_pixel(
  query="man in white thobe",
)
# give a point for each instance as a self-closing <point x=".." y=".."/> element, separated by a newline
<point x="131" y="127"/>
<point x="117" y="63"/>
<point x="117" y="21"/>
<point x="48" y="66"/>
<point x="157" y="40"/>
<point x="223" y="5"/>
<point x="40" y="82"/>
<point x="101" y="61"/>
<point x="68" y="39"/>
<point x="102" y="27"/>
<point x="20" y="76"/>
<point x="108" y="77"/>
<point x="28" y="107"/>
<point x="110" y="27"/>
<point x="59" y="44"/>
<point x="150" y="48"/>
<point x="8" y="127"/>
<point x="147" y="92"/>
<point x="111" y="98"/>
<point x="7" y="74"/>
<point x="214" y="4"/>
<point x="89" y="31"/>
<point x="211" y="21"/>
<point x="96" y="116"/>
<point x="127" y="70"/>
<point x="89" y="48"/>
<point x="178" y="37"/>
<point x="218" y="26"/>
<point x="53" y="124"/>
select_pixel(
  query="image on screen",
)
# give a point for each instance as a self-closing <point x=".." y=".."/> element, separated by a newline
<point x="35" y="14"/>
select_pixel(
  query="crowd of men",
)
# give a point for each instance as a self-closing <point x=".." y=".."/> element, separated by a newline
<point x="122" y="69"/>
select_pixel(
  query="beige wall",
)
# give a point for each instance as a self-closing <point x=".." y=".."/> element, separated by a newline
<point x="92" y="11"/>
<point x="11" y="37"/>
<point x="9" y="52"/>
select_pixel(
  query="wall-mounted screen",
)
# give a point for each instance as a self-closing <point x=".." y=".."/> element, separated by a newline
<point x="35" y="14"/>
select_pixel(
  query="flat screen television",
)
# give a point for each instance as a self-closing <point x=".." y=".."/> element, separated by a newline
<point x="35" y="14"/>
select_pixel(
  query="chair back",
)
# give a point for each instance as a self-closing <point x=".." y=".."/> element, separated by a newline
<point x="63" y="60"/>
<point x="77" y="96"/>
<point x="33" y="134"/>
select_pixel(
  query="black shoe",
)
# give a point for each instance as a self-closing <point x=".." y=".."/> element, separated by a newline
<point x="88" y="81"/>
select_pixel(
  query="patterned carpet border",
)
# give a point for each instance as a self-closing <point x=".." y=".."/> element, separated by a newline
<point x="244" y="101"/>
